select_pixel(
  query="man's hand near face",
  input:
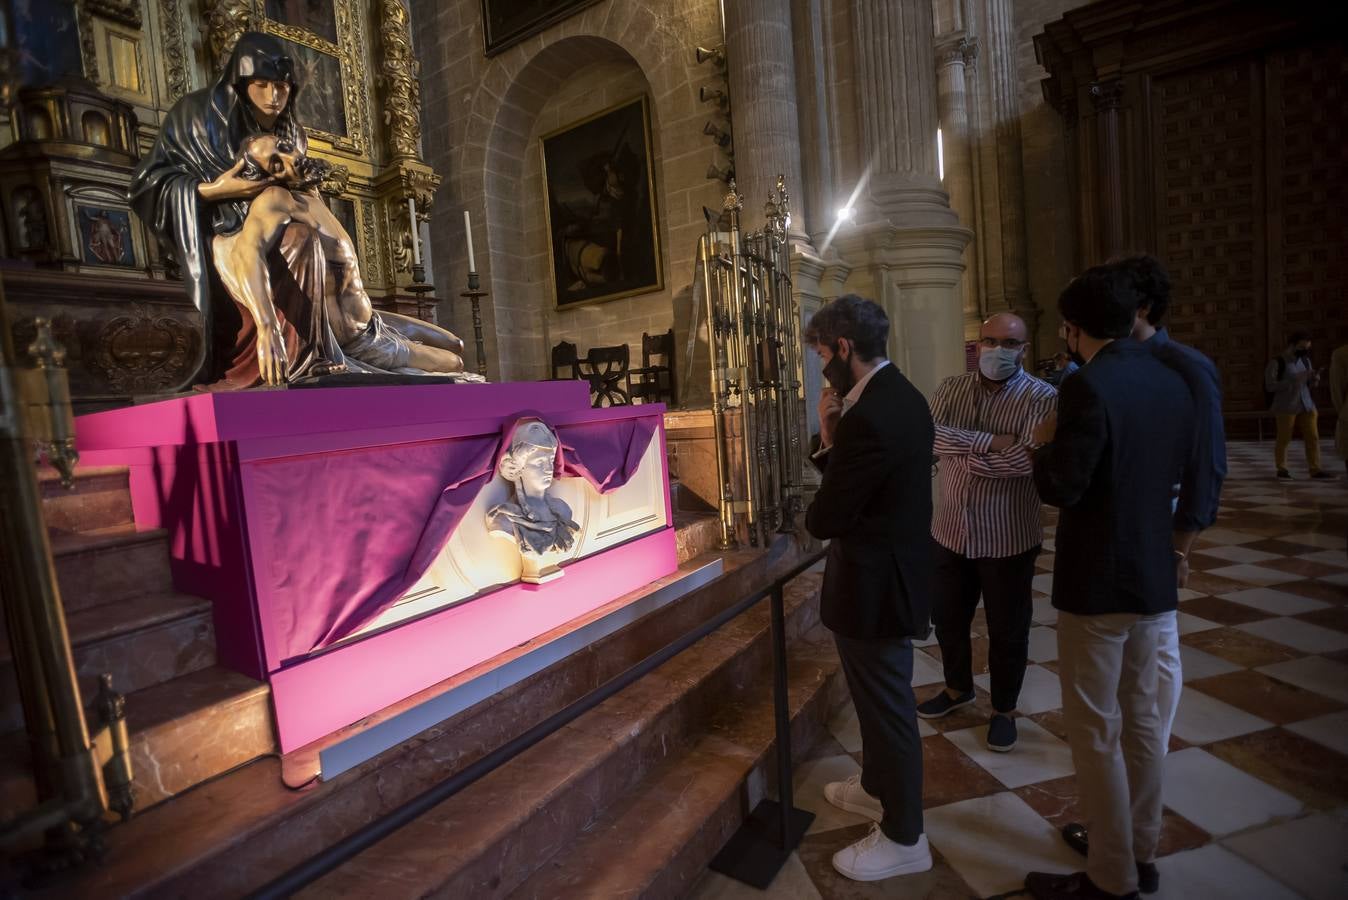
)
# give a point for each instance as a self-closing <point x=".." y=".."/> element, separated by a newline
<point x="830" y="410"/>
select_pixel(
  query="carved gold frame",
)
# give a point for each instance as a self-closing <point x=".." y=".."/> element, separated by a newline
<point x="347" y="49"/>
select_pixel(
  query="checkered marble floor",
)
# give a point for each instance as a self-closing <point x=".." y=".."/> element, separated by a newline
<point x="1256" y="785"/>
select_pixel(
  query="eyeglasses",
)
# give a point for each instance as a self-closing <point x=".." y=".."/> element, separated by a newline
<point x="1005" y="343"/>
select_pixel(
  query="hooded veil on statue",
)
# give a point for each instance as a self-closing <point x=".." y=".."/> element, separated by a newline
<point x="200" y="140"/>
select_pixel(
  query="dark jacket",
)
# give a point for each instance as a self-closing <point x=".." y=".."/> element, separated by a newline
<point x="874" y="506"/>
<point x="1201" y="490"/>
<point x="1125" y="428"/>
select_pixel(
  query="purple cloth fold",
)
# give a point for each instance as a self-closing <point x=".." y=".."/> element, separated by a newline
<point x="350" y="532"/>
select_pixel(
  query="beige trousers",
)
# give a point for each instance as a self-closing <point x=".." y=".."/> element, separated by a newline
<point x="1108" y="668"/>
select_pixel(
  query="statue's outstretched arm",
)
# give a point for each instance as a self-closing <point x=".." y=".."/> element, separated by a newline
<point x="243" y="269"/>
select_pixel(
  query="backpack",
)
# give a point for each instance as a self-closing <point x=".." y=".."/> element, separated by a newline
<point x="1282" y="370"/>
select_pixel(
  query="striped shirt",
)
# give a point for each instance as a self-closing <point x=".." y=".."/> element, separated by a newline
<point x="988" y="504"/>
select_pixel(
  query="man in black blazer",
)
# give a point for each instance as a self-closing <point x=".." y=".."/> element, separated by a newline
<point x="1120" y="443"/>
<point x="874" y="508"/>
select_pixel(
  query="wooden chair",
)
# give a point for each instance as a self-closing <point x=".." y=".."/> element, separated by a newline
<point x="565" y="360"/>
<point x="654" y="381"/>
<point x="606" y="370"/>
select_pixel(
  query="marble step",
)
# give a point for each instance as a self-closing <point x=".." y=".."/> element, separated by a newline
<point x="183" y="732"/>
<point x="110" y="565"/>
<point x="696" y="533"/>
<point x="99" y="498"/>
<point x="142" y="642"/>
<point x="243" y="828"/>
<point x="505" y="825"/>
<point x="658" y="839"/>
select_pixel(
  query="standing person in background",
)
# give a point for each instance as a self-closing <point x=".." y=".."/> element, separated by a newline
<point x="987" y="527"/>
<point x="1338" y="393"/>
<point x="1110" y="461"/>
<point x="1201" y="488"/>
<point x="874" y="508"/>
<point x="1289" y="378"/>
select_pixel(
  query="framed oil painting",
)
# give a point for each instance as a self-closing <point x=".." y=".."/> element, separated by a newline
<point x="598" y="178"/>
<point x="321" y="103"/>
<point x="507" y="22"/>
<point x="318" y="17"/>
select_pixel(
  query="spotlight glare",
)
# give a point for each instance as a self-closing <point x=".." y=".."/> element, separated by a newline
<point x="846" y="214"/>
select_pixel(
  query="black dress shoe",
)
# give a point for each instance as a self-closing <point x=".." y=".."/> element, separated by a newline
<point x="1074" y="834"/>
<point x="1148" y="878"/>
<point x="1049" y="886"/>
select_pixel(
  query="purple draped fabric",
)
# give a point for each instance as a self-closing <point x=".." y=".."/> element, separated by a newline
<point x="350" y="532"/>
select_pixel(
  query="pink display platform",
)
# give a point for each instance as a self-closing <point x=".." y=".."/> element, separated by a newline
<point x="194" y="470"/>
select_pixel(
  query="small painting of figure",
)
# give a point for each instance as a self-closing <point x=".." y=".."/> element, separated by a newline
<point x="105" y="236"/>
<point x="601" y="207"/>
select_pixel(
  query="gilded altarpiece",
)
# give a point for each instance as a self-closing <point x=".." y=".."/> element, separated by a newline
<point x="73" y="252"/>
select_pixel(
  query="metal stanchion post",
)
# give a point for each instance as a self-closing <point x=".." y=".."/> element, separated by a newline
<point x="757" y="852"/>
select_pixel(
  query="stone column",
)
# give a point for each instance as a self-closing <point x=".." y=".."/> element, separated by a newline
<point x="953" y="59"/>
<point x="906" y="248"/>
<point x="1008" y="191"/>
<point x="760" y="62"/>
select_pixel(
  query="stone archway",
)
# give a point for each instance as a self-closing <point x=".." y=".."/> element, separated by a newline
<point x="487" y="171"/>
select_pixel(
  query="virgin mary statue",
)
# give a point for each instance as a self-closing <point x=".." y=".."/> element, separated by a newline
<point x="189" y="189"/>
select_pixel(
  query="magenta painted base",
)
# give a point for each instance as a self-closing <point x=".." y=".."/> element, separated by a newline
<point x="343" y="685"/>
<point x="193" y="461"/>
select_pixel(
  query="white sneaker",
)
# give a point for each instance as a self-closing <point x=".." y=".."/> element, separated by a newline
<point x="875" y="857"/>
<point x="851" y="796"/>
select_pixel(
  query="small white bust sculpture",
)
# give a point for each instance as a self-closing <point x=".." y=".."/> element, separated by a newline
<point x="539" y="523"/>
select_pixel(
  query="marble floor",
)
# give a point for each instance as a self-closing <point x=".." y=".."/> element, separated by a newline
<point x="1256" y="786"/>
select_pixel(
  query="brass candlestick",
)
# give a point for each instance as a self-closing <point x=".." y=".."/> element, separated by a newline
<point x="420" y="288"/>
<point x="475" y="295"/>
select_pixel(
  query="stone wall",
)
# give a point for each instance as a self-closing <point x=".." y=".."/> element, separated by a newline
<point x="482" y="120"/>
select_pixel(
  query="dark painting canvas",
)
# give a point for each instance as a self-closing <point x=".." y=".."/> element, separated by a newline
<point x="48" y="42"/>
<point x="507" y="22"/>
<point x="105" y="236"/>
<point x="321" y="103"/>
<point x="601" y="207"/>
<point x="315" y="16"/>
<point x="345" y="211"/>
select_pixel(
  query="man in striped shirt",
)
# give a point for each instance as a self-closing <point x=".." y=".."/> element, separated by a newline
<point x="986" y="522"/>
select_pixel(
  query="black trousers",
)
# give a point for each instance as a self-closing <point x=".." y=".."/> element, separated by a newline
<point x="1005" y="584"/>
<point x="879" y="674"/>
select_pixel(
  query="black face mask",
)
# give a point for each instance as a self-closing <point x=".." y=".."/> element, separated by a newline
<point x="1303" y="352"/>
<point x="838" y="373"/>
<point x="1073" y="354"/>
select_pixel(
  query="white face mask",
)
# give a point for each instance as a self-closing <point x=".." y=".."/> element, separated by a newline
<point x="999" y="363"/>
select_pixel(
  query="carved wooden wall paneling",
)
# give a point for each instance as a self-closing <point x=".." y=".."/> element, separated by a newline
<point x="1232" y="129"/>
<point x="1209" y="209"/>
<point x="1311" y="150"/>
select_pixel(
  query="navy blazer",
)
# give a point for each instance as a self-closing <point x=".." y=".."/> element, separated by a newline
<point x="874" y="507"/>
<point x="1125" y="431"/>
<point x="1201" y="490"/>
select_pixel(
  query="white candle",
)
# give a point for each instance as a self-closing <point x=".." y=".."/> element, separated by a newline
<point x="468" y="230"/>
<point x="416" y="232"/>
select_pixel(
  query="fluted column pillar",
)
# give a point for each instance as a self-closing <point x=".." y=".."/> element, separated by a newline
<point x="907" y="244"/>
<point x="954" y="59"/>
<point x="1007" y="272"/>
<point x="760" y="60"/>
